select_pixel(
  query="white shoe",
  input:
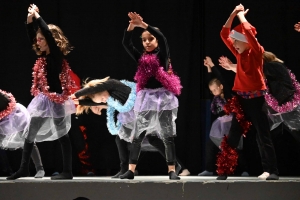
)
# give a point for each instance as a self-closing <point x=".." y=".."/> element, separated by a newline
<point x="264" y="176"/>
<point x="185" y="172"/>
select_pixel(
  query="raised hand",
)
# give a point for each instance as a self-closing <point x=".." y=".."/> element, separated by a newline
<point x="238" y="9"/>
<point x="297" y="27"/>
<point x="227" y="64"/>
<point x="135" y="19"/>
<point x="208" y="62"/>
<point x="32" y="9"/>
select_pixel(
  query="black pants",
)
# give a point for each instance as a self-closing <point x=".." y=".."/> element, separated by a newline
<point x="253" y="112"/>
<point x="125" y="147"/>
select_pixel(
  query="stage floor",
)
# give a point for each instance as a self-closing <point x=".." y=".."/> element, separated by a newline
<point x="150" y="187"/>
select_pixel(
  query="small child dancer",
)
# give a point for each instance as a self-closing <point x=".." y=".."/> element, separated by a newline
<point x="14" y="119"/>
<point x="156" y="105"/>
<point x="51" y="108"/>
<point x="221" y="125"/>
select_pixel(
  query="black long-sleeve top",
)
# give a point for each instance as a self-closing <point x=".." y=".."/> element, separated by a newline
<point x="115" y="88"/>
<point x="54" y="59"/>
<point x="162" y="52"/>
<point x="279" y="81"/>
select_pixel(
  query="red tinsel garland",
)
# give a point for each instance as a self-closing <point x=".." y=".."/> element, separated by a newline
<point x="11" y="105"/>
<point x="40" y="84"/>
<point x="226" y="159"/>
<point x="233" y="106"/>
<point x="84" y="155"/>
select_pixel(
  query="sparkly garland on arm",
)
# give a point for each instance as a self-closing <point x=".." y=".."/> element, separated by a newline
<point x="288" y="106"/>
<point x="40" y="83"/>
<point x="114" y="105"/>
<point x="11" y="105"/>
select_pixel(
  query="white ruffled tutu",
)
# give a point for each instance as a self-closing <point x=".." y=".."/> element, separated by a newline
<point x="49" y="119"/>
<point x="219" y="128"/>
<point x="155" y="111"/>
<point x="12" y="127"/>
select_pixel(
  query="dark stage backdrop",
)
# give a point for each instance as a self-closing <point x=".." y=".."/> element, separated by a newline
<point x="191" y="27"/>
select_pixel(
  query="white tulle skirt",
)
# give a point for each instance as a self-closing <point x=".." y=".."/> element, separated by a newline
<point x="12" y="127"/>
<point x="49" y="120"/>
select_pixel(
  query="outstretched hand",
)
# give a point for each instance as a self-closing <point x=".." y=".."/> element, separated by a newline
<point x="297" y="27"/>
<point x="225" y="63"/>
<point x="135" y="19"/>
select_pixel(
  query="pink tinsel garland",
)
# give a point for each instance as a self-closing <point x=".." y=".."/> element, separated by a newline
<point x="40" y="84"/>
<point x="288" y="106"/>
<point x="149" y="66"/>
<point x="11" y="105"/>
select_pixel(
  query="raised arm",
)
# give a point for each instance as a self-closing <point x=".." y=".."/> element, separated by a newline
<point x="54" y="49"/>
<point x="250" y="33"/>
<point x="31" y="32"/>
<point x="127" y="38"/>
<point x="93" y="90"/>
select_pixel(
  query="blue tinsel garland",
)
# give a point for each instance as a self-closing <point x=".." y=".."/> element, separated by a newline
<point x="114" y="105"/>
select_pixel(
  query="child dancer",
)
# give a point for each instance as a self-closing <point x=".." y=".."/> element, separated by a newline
<point x="221" y="125"/>
<point x="250" y="87"/>
<point x="282" y="97"/>
<point x="14" y="118"/>
<point x="156" y="105"/>
<point x="111" y="91"/>
<point x="51" y="109"/>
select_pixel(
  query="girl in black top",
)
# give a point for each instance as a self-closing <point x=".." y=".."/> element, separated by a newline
<point x="51" y="108"/>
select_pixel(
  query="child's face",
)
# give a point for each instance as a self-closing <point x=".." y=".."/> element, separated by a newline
<point x="215" y="89"/>
<point x="240" y="46"/>
<point x="41" y="42"/>
<point x="149" y="41"/>
<point x="100" y="97"/>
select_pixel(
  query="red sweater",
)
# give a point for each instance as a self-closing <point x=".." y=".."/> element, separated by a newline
<point x="249" y="70"/>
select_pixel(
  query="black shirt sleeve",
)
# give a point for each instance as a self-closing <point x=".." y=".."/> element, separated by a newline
<point x="31" y="32"/>
<point x="89" y="102"/>
<point x="93" y="90"/>
<point x="129" y="47"/>
<point x="54" y="49"/>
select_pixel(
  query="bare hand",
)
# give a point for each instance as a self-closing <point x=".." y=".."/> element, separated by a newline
<point x="225" y="63"/>
<point x="238" y="9"/>
<point x="208" y="62"/>
<point x="135" y="19"/>
<point x="33" y="8"/>
<point x="297" y="27"/>
<point x="97" y="109"/>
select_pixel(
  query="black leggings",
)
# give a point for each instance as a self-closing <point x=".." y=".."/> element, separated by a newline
<point x="168" y="144"/>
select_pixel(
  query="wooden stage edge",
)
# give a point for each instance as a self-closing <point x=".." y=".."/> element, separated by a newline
<point x="150" y="187"/>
